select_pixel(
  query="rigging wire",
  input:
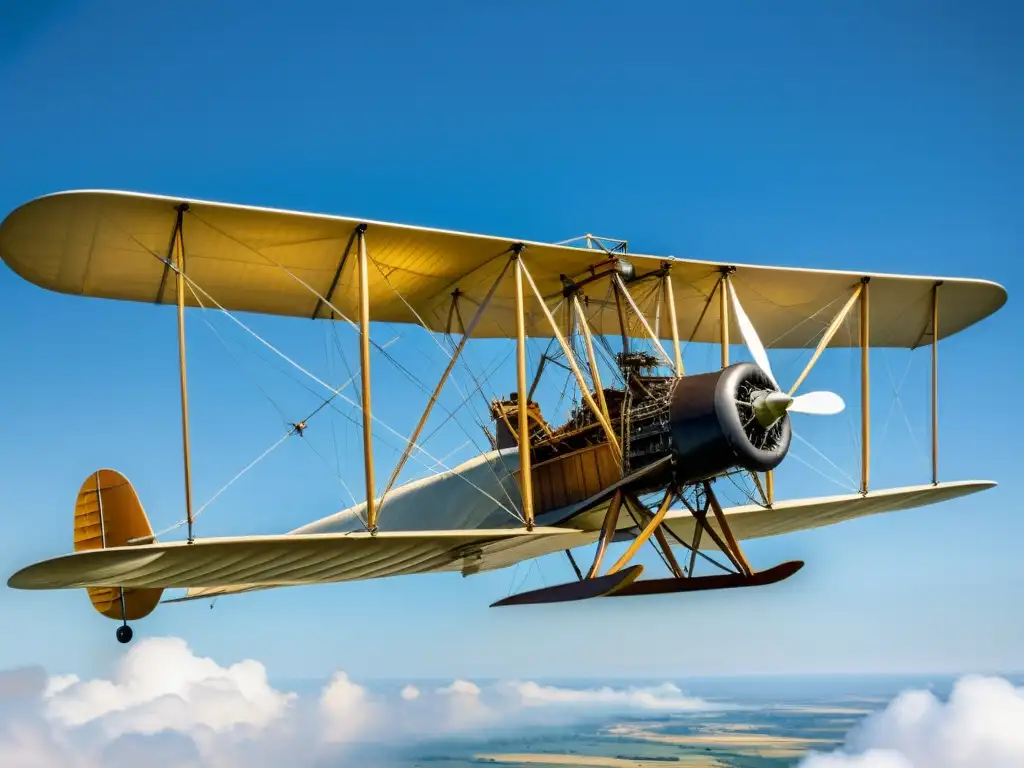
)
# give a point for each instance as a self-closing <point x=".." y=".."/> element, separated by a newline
<point x="897" y="402"/>
<point x="312" y="376"/>
<point x="294" y="428"/>
<point x="450" y="356"/>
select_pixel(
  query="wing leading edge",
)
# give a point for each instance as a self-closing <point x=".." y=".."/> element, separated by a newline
<point x="285" y="560"/>
<point x="753" y="522"/>
<point x="109" y="244"/>
<point x="212" y="567"/>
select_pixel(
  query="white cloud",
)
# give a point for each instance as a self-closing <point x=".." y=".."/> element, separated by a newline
<point x="165" y="705"/>
<point x="410" y="693"/>
<point x="346" y="710"/>
<point x="981" y="725"/>
<point x="873" y="758"/>
<point x="666" y="697"/>
<point x="161" y="685"/>
<point x="460" y="688"/>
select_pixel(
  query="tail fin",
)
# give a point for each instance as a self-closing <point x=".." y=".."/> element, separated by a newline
<point x="108" y="514"/>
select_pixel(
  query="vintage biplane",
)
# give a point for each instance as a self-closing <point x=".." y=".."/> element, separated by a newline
<point x="639" y="441"/>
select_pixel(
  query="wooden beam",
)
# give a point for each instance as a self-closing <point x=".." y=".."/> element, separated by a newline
<point x="865" y="387"/>
<point x="827" y="336"/>
<point x="701" y="516"/>
<point x="179" y="253"/>
<point x="623" y="326"/>
<point x="526" y="481"/>
<point x="644" y="535"/>
<point x="444" y="377"/>
<point x="935" y="383"/>
<point x="588" y="342"/>
<point x="643" y="320"/>
<point x="611" y="519"/>
<point x="723" y="314"/>
<point x="734" y="545"/>
<point x="329" y="296"/>
<point x="674" y="326"/>
<point x="698" y="528"/>
<point x="571" y="360"/>
<point x="364" y="363"/>
<point x="659" y="535"/>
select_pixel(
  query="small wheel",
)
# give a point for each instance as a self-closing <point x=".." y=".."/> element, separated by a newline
<point x="124" y="634"/>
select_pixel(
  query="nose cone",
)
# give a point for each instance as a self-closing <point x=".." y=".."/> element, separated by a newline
<point x="771" y="407"/>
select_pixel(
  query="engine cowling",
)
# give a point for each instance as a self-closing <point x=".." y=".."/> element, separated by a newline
<point x="706" y="423"/>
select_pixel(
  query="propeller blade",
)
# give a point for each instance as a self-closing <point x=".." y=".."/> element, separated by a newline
<point x="818" y="403"/>
<point x="750" y="337"/>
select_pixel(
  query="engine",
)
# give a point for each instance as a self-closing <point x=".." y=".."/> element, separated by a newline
<point x="707" y="423"/>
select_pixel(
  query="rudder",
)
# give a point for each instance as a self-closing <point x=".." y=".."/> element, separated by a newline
<point x="108" y="513"/>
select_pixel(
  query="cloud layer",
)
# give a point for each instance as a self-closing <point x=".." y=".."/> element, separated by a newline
<point x="166" y="706"/>
<point x="980" y="726"/>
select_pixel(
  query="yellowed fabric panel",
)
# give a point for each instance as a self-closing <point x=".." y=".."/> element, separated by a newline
<point x="102" y="244"/>
<point x="278" y="560"/>
<point x="752" y="522"/>
<point x="107" y="514"/>
<point x="317" y="560"/>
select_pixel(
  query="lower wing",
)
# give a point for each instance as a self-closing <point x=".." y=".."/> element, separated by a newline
<point x="286" y="560"/>
<point x="218" y="566"/>
<point x="754" y="521"/>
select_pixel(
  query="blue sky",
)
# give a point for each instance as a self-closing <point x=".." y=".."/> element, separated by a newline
<point x="879" y="138"/>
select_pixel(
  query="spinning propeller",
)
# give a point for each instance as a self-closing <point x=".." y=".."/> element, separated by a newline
<point x="770" y="406"/>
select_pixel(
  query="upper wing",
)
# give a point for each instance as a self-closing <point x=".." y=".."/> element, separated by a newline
<point x="106" y="244"/>
<point x="753" y="521"/>
<point x="288" y="559"/>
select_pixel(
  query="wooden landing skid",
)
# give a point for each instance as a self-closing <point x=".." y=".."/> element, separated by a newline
<point x="772" y="575"/>
<point x="626" y="583"/>
<point x="576" y="590"/>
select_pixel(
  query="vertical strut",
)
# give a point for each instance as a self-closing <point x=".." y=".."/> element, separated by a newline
<point x="179" y="257"/>
<point x="364" y="365"/>
<point x="624" y="292"/>
<point x="645" y="534"/>
<point x="659" y="535"/>
<point x="723" y="313"/>
<point x="523" y="396"/>
<point x="623" y="327"/>
<point x="734" y="546"/>
<point x="672" y="323"/>
<point x="588" y="342"/>
<point x="698" y="529"/>
<point x="467" y="332"/>
<point x="570" y="358"/>
<point x="611" y="519"/>
<point x="935" y="383"/>
<point x="865" y="387"/>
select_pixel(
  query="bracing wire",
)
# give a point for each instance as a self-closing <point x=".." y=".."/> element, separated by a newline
<point x="315" y="378"/>
<point x="228" y="484"/>
<point x="291" y="431"/>
<point x="195" y="287"/>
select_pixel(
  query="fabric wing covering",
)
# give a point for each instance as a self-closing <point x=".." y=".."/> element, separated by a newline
<point x="111" y="244"/>
<point x="211" y="567"/>
<point x="282" y="560"/>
